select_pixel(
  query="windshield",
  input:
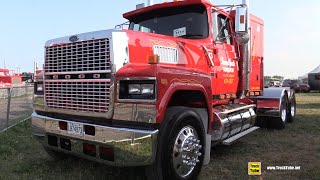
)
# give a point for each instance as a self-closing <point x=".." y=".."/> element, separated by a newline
<point x="187" y="22"/>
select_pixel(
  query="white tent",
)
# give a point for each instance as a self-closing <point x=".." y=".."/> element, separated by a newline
<point x="314" y="79"/>
<point x="316" y="70"/>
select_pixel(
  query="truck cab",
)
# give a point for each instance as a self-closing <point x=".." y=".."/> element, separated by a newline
<point x="185" y="76"/>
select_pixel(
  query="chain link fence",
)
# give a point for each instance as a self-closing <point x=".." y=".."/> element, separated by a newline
<point x="15" y="105"/>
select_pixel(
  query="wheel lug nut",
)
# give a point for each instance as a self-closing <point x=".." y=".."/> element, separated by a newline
<point x="198" y="141"/>
<point x="197" y="160"/>
<point x="185" y="162"/>
<point x="199" y="154"/>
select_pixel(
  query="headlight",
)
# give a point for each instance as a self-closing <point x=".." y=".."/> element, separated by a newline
<point x="134" y="89"/>
<point x="143" y="89"/>
<point x="147" y="89"/>
<point x="137" y="89"/>
<point x="38" y="88"/>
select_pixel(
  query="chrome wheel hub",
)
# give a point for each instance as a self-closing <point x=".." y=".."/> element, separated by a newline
<point x="186" y="151"/>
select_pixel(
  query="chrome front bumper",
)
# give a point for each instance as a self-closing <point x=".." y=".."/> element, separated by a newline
<point x="131" y="147"/>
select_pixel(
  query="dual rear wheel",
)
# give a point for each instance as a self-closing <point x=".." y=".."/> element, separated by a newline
<point x="287" y="111"/>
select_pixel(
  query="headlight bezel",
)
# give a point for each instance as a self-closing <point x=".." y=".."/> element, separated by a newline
<point x="37" y="90"/>
<point x="137" y="95"/>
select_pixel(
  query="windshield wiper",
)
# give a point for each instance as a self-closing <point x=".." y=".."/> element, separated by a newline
<point x="192" y="36"/>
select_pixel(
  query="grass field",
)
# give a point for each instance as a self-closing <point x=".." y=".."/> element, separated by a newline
<point x="21" y="157"/>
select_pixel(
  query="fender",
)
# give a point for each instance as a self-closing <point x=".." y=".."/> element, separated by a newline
<point x="176" y="86"/>
<point x="269" y="103"/>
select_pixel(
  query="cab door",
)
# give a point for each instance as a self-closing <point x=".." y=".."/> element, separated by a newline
<point x="225" y="69"/>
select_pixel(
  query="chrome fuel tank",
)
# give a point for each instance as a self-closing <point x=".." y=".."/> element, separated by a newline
<point x="232" y="119"/>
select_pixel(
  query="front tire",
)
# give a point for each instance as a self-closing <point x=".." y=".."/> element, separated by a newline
<point x="180" y="152"/>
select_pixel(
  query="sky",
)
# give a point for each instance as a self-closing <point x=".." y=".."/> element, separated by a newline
<point x="291" y="29"/>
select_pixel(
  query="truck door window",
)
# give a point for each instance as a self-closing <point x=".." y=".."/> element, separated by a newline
<point x="190" y="22"/>
<point x="221" y="28"/>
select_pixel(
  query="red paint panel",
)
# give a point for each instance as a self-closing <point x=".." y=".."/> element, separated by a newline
<point x="268" y="103"/>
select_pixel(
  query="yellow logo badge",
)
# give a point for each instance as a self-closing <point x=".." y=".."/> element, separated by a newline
<point x="254" y="168"/>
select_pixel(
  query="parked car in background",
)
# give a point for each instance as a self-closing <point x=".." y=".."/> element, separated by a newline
<point x="296" y="84"/>
<point x="272" y="84"/>
<point x="300" y="87"/>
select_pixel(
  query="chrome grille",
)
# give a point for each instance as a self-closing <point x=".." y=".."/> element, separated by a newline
<point x="78" y="95"/>
<point x="93" y="55"/>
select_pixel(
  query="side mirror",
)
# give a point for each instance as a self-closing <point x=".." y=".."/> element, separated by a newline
<point x="241" y="25"/>
<point x="241" y="20"/>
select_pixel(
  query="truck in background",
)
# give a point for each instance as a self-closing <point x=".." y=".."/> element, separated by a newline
<point x="186" y="75"/>
<point x="9" y="78"/>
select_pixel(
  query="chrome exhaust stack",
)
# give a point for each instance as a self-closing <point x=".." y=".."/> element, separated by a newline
<point x="243" y="35"/>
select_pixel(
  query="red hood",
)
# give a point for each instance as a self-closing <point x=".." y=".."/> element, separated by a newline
<point x="190" y="52"/>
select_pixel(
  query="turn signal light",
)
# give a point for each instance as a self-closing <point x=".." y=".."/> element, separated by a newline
<point x="153" y="59"/>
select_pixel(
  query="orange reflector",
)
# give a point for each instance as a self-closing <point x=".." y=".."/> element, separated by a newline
<point x="257" y="93"/>
<point x="222" y="96"/>
<point x="153" y="59"/>
<point x="242" y="19"/>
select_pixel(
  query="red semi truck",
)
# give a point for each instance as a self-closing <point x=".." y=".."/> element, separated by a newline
<point x="186" y="75"/>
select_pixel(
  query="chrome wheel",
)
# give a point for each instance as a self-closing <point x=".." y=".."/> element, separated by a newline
<point x="186" y="151"/>
<point x="293" y="110"/>
<point x="283" y="110"/>
<point x="283" y="115"/>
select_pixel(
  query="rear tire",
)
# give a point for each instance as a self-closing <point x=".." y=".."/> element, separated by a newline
<point x="180" y="152"/>
<point x="292" y="109"/>
<point x="280" y="122"/>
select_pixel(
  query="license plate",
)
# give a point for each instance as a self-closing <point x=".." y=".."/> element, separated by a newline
<point x="75" y="128"/>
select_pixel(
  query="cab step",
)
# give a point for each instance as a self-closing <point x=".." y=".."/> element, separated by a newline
<point x="232" y="139"/>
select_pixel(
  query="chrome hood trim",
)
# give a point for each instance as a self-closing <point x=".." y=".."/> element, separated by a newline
<point x="82" y="37"/>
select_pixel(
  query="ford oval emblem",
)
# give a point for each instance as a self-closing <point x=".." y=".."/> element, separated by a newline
<point x="73" y="38"/>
